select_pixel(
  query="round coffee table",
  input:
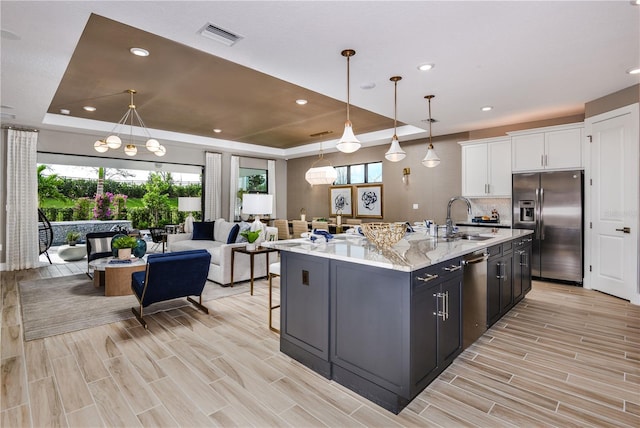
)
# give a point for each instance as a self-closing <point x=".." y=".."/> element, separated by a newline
<point x="114" y="275"/>
<point x="70" y="253"/>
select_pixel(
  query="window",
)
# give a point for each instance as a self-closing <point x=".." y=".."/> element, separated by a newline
<point x="253" y="180"/>
<point x="359" y="173"/>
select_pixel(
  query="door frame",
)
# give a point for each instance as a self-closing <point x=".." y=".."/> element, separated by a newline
<point x="634" y="110"/>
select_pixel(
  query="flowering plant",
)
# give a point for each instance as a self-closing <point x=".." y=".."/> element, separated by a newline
<point x="102" y="208"/>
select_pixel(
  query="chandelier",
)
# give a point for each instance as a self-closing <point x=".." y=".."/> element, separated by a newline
<point x="113" y="141"/>
<point x="395" y="152"/>
<point x="431" y="159"/>
<point x="326" y="174"/>
<point x="348" y="143"/>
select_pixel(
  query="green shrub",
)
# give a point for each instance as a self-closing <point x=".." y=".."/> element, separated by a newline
<point x="83" y="209"/>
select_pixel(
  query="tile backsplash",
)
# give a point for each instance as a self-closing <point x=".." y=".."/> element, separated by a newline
<point x="483" y="206"/>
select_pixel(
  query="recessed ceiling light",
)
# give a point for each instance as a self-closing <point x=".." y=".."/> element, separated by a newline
<point x="301" y="102"/>
<point x="635" y="70"/>
<point x="139" y="51"/>
<point x="426" y="67"/>
<point x="65" y="111"/>
<point x="89" y="108"/>
<point x="217" y="130"/>
<point x="487" y="108"/>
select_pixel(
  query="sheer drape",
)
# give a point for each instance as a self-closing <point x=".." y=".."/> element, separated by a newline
<point x="233" y="188"/>
<point x="22" y="200"/>
<point x="271" y="173"/>
<point x="212" y="186"/>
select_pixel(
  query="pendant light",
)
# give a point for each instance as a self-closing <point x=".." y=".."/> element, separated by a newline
<point x="395" y="152"/>
<point x="431" y="159"/>
<point x="348" y="143"/>
<point x="321" y="174"/>
<point x="114" y="142"/>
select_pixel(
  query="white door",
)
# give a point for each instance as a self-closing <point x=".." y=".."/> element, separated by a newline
<point x="614" y="203"/>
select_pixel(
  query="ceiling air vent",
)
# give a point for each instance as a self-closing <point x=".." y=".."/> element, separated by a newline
<point x="219" y="34"/>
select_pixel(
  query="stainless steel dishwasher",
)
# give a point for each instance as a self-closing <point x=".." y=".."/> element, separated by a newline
<point x="474" y="297"/>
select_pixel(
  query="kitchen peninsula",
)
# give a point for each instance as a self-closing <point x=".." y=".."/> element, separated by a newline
<point x="385" y="323"/>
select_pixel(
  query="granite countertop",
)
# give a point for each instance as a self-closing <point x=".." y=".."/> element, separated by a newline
<point x="415" y="251"/>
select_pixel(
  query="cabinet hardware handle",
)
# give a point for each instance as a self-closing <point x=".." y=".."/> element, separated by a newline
<point x="624" y="230"/>
<point x="446" y="305"/>
<point x="541" y="160"/>
<point x="427" y="278"/>
<point x="452" y="268"/>
<point x="441" y="312"/>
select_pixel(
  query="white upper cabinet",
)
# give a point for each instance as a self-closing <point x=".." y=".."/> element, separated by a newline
<point x="554" y="147"/>
<point x="486" y="167"/>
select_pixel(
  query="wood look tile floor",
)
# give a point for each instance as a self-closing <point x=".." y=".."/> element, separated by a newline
<point x="564" y="356"/>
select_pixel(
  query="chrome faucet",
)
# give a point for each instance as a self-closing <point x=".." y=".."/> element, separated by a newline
<point x="449" y="223"/>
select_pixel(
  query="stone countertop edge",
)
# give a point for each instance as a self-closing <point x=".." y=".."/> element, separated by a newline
<point x="416" y="251"/>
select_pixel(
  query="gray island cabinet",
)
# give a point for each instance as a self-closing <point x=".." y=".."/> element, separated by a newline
<point x="383" y="324"/>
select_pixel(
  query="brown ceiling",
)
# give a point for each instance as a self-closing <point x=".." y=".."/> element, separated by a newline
<point x="185" y="90"/>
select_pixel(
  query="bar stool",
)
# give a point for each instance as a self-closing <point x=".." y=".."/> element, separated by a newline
<point x="274" y="270"/>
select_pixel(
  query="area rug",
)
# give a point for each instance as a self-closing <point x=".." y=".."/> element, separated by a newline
<point x="54" y="306"/>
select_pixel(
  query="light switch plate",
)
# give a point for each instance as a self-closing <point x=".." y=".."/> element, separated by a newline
<point x="415" y="206"/>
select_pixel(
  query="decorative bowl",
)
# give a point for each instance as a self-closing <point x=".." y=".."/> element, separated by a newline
<point x="384" y="235"/>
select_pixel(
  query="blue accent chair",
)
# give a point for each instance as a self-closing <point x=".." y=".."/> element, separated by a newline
<point x="170" y="276"/>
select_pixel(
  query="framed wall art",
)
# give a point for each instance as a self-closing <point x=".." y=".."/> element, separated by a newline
<point x="341" y="200"/>
<point x="369" y="201"/>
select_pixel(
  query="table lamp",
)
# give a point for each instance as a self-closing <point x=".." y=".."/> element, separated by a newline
<point x="257" y="204"/>
<point x="189" y="204"/>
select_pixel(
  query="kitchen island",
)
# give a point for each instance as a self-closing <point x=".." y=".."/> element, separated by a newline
<point x="384" y="323"/>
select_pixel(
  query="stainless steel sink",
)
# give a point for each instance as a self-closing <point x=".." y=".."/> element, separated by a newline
<point x="465" y="236"/>
<point x="474" y="237"/>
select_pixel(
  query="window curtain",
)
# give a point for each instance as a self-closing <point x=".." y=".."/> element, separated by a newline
<point x="212" y="186"/>
<point x="234" y="207"/>
<point x="22" y="247"/>
<point x="271" y="174"/>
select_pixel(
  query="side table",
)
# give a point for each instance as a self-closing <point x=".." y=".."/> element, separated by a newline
<point x="252" y="254"/>
<point x="116" y="278"/>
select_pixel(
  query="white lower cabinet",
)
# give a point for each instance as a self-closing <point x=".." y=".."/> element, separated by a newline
<point x="486" y="167"/>
<point x="554" y="147"/>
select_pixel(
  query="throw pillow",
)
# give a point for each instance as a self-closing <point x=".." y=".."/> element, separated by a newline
<point x="202" y="231"/>
<point x="243" y="226"/>
<point x="233" y="234"/>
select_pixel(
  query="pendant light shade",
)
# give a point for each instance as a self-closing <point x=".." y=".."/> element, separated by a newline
<point x="431" y="159"/>
<point x="348" y="143"/>
<point x="395" y="152"/>
<point x="321" y="174"/>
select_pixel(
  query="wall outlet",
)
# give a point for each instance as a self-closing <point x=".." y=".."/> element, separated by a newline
<point x="415" y="206"/>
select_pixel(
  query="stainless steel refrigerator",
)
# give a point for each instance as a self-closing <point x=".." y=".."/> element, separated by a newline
<point x="551" y="204"/>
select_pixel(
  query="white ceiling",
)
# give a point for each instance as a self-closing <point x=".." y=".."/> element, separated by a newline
<point x="529" y="60"/>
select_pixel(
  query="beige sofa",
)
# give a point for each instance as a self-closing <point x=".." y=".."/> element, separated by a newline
<point x="226" y="235"/>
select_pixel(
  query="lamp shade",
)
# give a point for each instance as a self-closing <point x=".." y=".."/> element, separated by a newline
<point x="321" y="175"/>
<point x="257" y="203"/>
<point x="189" y="204"/>
<point x="395" y="152"/>
<point x="431" y="159"/>
<point x="348" y="143"/>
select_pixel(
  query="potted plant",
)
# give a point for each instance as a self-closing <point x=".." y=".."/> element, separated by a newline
<point x="72" y="237"/>
<point x="124" y="244"/>
<point x="303" y="214"/>
<point x="251" y="236"/>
